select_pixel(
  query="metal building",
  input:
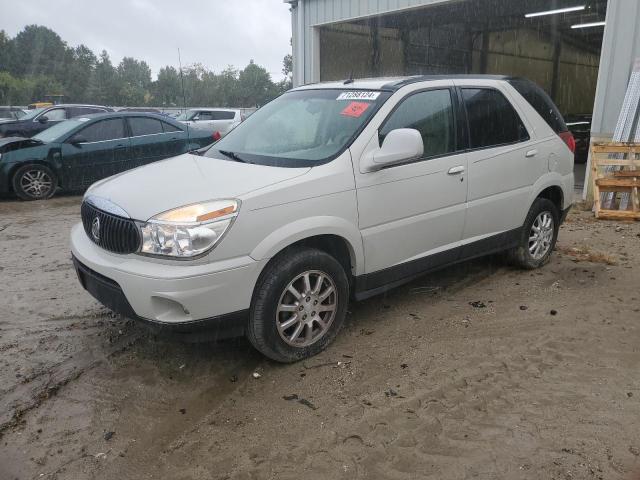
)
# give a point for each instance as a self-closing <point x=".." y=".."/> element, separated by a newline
<point x="582" y="54"/>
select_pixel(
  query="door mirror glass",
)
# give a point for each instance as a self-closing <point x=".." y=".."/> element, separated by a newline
<point x="400" y="145"/>
<point x="77" y="140"/>
<point x="43" y="119"/>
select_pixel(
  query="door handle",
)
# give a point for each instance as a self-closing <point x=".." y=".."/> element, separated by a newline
<point x="456" y="170"/>
<point x="531" y="153"/>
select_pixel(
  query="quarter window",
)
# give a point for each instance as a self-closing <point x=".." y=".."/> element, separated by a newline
<point x="170" y="128"/>
<point x="431" y="113"/>
<point x="144" y="126"/>
<point x="492" y="119"/>
<point x="103" y="130"/>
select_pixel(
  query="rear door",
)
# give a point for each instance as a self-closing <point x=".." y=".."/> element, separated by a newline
<point x="103" y="151"/>
<point x="502" y="162"/>
<point x="176" y="138"/>
<point x="149" y="142"/>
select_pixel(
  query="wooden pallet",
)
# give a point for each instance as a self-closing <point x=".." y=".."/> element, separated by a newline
<point x="624" y="178"/>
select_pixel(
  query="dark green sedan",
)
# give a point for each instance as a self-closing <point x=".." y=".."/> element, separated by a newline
<point x="72" y="155"/>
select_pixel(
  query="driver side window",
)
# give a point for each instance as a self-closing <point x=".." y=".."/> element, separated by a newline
<point x="431" y="113"/>
<point x="56" y="114"/>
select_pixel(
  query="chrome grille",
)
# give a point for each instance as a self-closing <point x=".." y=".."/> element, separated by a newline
<point x="113" y="233"/>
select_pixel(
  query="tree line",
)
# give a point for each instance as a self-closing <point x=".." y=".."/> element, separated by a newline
<point x="37" y="62"/>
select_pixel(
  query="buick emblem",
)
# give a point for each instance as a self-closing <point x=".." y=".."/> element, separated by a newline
<point x="95" y="229"/>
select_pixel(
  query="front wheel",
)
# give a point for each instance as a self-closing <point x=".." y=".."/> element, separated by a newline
<point x="538" y="236"/>
<point x="34" y="182"/>
<point x="299" y="305"/>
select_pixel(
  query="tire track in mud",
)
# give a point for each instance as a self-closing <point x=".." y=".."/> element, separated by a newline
<point x="27" y="396"/>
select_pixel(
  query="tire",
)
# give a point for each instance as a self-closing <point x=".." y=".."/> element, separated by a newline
<point x="34" y="182"/>
<point x="268" y="329"/>
<point x="543" y="215"/>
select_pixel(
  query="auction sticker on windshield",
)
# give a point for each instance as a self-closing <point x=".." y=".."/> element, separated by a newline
<point x="358" y="96"/>
<point x="355" y="109"/>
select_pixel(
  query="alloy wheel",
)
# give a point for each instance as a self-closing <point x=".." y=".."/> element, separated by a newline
<point x="306" y="308"/>
<point x="541" y="235"/>
<point x="36" y="183"/>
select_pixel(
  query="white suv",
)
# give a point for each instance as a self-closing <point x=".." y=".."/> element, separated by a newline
<point x="331" y="192"/>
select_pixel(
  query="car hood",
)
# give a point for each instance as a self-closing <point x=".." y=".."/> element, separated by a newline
<point x="155" y="188"/>
<point x="28" y="141"/>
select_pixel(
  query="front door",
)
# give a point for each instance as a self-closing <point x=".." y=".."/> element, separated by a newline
<point x="412" y="215"/>
<point x="97" y="151"/>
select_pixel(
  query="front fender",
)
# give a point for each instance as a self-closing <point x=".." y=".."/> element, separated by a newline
<point x="305" y="228"/>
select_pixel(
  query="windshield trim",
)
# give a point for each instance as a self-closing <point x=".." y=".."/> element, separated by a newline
<point x="284" y="162"/>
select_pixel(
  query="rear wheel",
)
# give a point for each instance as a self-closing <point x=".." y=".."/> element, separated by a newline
<point x="299" y="305"/>
<point x="34" y="182"/>
<point x="538" y="237"/>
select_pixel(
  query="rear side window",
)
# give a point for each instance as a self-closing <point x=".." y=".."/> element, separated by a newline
<point x="541" y="102"/>
<point x="144" y="126"/>
<point x="492" y="119"/>
<point x="216" y="115"/>
<point x="103" y="130"/>
<point x="431" y="113"/>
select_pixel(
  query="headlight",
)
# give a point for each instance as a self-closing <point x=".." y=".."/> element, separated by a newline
<point x="188" y="231"/>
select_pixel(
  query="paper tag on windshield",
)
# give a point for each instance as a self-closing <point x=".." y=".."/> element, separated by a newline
<point x="358" y="96"/>
<point x="355" y="109"/>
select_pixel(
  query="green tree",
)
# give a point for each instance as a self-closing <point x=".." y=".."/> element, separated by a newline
<point x="38" y="51"/>
<point x="166" y="89"/>
<point x="103" y="84"/>
<point x="255" y="86"/>
<point x="134" y="79"/>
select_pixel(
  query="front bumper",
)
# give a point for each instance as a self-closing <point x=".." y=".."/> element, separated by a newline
<point x="171" y="293"/>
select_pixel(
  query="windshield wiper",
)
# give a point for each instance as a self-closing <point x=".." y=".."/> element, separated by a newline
<point x="233" y="156"/>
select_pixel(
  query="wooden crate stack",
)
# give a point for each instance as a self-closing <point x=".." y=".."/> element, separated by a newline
<point x="615" y="169"/>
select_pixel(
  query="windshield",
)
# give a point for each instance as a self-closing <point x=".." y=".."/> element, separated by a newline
<point x="301" y="128"/>
<point x="32" y="113"/>
<point x="188" y="115"/>
<point x="52" y="134"/>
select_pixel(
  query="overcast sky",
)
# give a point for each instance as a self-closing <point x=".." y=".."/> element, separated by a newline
<point x="215" y="33"/>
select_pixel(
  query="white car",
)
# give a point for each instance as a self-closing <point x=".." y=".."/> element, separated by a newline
<point x="220" y="120"/>
<point x="333" y="191"/>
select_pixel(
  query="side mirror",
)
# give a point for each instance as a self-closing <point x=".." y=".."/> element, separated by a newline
<point x="399" y="146"/>
<point x="76" y="140"/>
<point x="43" y="119"/>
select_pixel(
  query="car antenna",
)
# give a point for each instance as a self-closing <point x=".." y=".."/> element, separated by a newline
<point x="349" y="80"/>
<point x="184" y="99"/>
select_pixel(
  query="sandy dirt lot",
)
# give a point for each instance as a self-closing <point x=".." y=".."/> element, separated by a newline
<point x="479" y="371"/>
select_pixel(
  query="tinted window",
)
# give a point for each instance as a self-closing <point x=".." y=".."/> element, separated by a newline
<point x="431" y="113"/>
<point x="221" y="115"/>
<point x="169" y="128"/>
<point x="77" y="111"/>
<point x="541" y="102"/>
<point x="103" y="130"/>
<point x="144" y="126"/>
<point x="492" y="119"/>
<point x="56" y="114"/>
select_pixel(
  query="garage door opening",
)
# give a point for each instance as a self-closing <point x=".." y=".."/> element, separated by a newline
<point x="555" y="43"/>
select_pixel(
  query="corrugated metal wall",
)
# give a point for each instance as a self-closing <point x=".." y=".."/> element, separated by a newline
<point x="621" y="46"/>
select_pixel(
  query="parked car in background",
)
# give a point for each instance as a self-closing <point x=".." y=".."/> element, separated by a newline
<point x="39" y="119"/>
<point x="330" y="192"/>
<point x="580" y="127"/>
<point x="11" y="113"/>
<point x="219" y="121"/>
<point x="73" y="154"/>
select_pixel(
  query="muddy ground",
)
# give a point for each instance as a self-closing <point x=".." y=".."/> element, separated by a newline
<point x="479" y="371"/>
